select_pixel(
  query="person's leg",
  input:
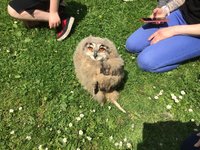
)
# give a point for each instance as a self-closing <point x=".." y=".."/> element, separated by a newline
<point x="189" y="142"/>
<point x="169" y="53"/>
<point x="31" y="15"/>
<point x="139" y="39"/>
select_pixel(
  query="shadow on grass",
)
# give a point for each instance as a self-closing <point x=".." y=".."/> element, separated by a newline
<point x="165" y="135"/>
<point x="78" y="11"/>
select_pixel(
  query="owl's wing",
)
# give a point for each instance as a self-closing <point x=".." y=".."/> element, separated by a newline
<point x="114" y="66"/>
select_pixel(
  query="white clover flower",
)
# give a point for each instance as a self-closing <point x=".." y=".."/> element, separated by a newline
<point x="125" y="139"/>
<point x="111" y="138"/>
<point x="28" y="137"/>
<point x="156" y="97"/>
<point x="15" y="22"/>
<point x="133" y="57"/>
<point x="81" y="115"/>
<point x="154" y="87"/>
<point x="80" y="132"/>
<point x="116" y="144"/>
<point x="94" y="110"/>
<point x="190" y="110"/>
<point x="132" y="126"/>
<point x="46" y="148"/>
<point x="78" y="149"/>
<point x="78" y="118"/>
<point x="80" y="106"/>
<point x="128" y="145"/>
<point x="11" y="110"/>
<point x="89" y="138"/>
<point x="71" y="92"/>
<point x="120" y="144"/>
<point x="180" y="97"/>
<point x="12" y="132"/>
<point x="40" y="147"/>
<point x="192" y="120"/>
<point x="176" y="101"/>
<point x="70" y="124"/>
<point x="161" y="92"/>
<point x="58" y="131"/>
<point x="168" y="106"/>
<point x="149" y="98"/>
<point x="173" y="97"/>
<point x="109" y="107"/>
<point x="64" y="140"/>
<point x="183" y="92"/>
<point x="161" y="144"/>
<point x="106" y="119"/>
<point x="20" y="108"/>
<point x="83" y="140"/>
<point x="50" y="129"/>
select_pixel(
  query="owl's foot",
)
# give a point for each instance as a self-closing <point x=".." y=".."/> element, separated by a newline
<point x="100" y="97"/>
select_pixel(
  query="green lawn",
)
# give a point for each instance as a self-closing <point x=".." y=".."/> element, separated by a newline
<point x="43" y="106"/>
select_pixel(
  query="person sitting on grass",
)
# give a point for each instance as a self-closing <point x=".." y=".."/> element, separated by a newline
<point x="163" y="46"/>
<point x="32" y="11"/>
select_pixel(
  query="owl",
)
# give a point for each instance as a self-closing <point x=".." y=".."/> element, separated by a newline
<point x="99" y="69"/>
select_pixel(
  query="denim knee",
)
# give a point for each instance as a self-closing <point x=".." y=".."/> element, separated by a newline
<point x="147" y="63"/>
<point x="132" y="46"/>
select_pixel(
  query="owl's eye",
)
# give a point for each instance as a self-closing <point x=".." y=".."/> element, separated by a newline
<point x="90" y="48"/>
<point x="102" y="49"/>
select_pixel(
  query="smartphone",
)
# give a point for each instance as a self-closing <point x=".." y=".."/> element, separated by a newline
<point x="154" y="20"/>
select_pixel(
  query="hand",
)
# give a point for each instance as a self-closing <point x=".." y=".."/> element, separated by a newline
<point x="158" y="13"/>
<point x="162" y="34"/>
<point x="54" y="20"/>
<point x="198" y="143"/>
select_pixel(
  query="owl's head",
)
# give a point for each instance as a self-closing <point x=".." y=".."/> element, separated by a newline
<point x="97" y="48"/>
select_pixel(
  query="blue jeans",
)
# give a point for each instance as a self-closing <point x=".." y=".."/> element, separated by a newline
<point x="166" y="54"/>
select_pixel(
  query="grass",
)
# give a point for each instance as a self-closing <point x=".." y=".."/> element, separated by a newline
<point x="43" y="105"/>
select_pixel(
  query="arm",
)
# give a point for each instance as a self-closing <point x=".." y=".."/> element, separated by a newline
<point x="193" y="29"/>
<point x="174" y="4"/>
<point x="166" y="9"/>
<point x="54" y="19"/>
<point x="164" y="33"/>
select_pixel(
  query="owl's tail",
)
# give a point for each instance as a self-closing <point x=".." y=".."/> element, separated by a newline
<point x="112" y="97"/>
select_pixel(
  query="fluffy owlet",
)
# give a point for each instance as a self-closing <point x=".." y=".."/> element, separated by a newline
<point x="99" y="68"/>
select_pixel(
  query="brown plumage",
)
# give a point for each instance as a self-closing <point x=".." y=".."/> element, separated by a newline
<point x="99" y="69"/>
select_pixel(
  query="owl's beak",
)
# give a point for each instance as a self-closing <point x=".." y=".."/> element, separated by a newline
<point x="95" y="54"/>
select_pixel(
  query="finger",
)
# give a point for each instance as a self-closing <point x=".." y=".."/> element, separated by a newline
<point x="158" y="22"/>
<point x="155" y="13"/>
<point x="197" y="144"/>
<point x="154" y="41"/>
<point x="152" y="36"/>
<point x="50" y="26"/>
<point x="57" y="24"/>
